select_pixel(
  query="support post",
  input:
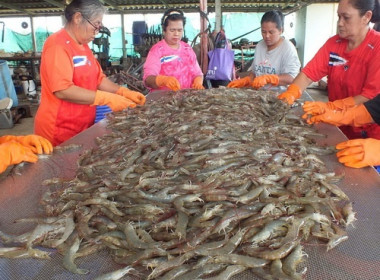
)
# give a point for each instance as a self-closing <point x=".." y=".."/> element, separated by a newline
<point x="204" y="39"/>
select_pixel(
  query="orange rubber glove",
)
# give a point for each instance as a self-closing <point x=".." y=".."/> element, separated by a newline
<point x="7" y="138"/>
<point x="14" y="153"/>
<point x="359" y="153"/>
<point x="38" y="144"/>
<point x="168" y="81"/>
<point x="114" y="101"/>
<point x="135" y="96"/>
<point x="354" y="116"/>
<point x="316" y="107"/>
<point x="342" y="104"/>
<point x="198" y="83"/>
<point x="291" y="94"/>
<point x="262" y="80"/>
<point x="240" y="83"/>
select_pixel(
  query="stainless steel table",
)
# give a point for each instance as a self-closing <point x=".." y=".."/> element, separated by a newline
<point x="356" y="258"/>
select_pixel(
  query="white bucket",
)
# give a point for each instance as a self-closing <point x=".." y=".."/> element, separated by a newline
<point x="29" y="88"/>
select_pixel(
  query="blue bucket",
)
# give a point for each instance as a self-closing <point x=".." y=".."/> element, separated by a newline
<point x="377" y="168"/>
<point x="7" y="88"/>
<point x="101" y="111"/>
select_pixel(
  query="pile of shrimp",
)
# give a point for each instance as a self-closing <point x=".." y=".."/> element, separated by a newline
<point x="197" y="185"/>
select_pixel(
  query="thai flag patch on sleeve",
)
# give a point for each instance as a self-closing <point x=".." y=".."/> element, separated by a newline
<point x="168" y="58"/>
<point x="79" y="60"/>
<point x="336" y="60"/>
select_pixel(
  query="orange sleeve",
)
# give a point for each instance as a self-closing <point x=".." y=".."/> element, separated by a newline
<point x="57" y="58"/>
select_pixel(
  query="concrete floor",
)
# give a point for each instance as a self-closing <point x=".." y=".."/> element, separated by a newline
<point x="25" y="125"/>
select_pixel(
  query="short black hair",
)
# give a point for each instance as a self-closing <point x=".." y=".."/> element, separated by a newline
<point x="275" y="16"/>
<point x="172" y="15"/>
<point x="368" y="5"/>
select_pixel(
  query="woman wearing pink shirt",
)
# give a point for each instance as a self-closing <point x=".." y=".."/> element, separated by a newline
<point x="171" y="63"/>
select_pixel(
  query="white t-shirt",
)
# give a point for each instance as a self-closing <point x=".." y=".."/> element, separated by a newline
<point x="281" y="60"/>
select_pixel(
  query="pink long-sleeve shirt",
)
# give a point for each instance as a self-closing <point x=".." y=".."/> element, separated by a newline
<point x="180" y="63"/>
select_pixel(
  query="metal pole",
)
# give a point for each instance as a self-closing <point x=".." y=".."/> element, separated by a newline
<point x="33" y="37"/>
<point x="204" y="39"/>
<point x="123" y="37"/>
<point x="218" y="15"/>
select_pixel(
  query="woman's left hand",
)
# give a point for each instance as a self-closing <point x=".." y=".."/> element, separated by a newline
<point x="135" y="96"/>
<point x="198" y="83"/>
<point x="359" y="153"/>
<point x="262" y="80"/>
<point x="36" y="143"/>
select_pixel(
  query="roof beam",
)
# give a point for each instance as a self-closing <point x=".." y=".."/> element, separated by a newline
<point x="16" y="8"/>
<point x="112" y="5"/>
<point x="55" y="3"/>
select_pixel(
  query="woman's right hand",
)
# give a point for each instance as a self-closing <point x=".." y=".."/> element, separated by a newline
<point x="240" y="83"/>
<point x="314" y="108"/>
<point x="168" y="81"/>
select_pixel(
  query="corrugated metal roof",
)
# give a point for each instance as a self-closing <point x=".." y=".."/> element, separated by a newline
<point x="55" y="7"/>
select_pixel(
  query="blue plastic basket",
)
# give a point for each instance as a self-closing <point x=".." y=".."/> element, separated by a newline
<point x="377" y="168"/>
<point x="101" y="111"/>
<point x="7" y="88"/>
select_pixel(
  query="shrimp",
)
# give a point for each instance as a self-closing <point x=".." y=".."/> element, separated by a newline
<point x="276" y="270"/>
<point x="103" y="202"/>
<point x="6" y="239"/>
<point x="335" y="190"/>
<point x="117" y="274"/>
<point x="207" y="214"/>
<point x="262" y="274"/>
<point x="69" y="228"/>
<point x="349" y="215"/>
<point x="181" y="200"/>
<point x="175" y="273"/>
<point x="267" y="231"/>
<point x="289" y="264"/>
<point x="40" y="232"/>
<point x="230" y="271"/>
<point x="175" y="262"/>
<point x="182" y="222"/>
<point x="250" y="196"/>
<point x="21" y="252"/>
<point x="68" y="259"/>
<point x="133" y="239"/>
<point x="246" y="261"/>
<point x="232" y="216"/>
<point x="279" y="253"/>
<point x="339" y="236"/>
<point x="222" y="247"/>
<point x="268" y="209"/>
<point x="203" y="271"/>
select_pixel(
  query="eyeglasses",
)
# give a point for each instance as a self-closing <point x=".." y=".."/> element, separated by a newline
<point x="96" y="28"/>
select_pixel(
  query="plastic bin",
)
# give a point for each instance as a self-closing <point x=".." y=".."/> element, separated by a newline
<point x="101" y="111"/>
<point x="6" y="119"/>
<point x="7" y="88"/>
<point x="138" y="28"/>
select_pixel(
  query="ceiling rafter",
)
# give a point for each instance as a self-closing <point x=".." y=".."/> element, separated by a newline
<point x="55" y="3"/>
<point x="55" y="7"/>
<point x="16" y="8"/>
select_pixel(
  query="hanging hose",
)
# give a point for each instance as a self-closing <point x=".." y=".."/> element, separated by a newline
<point x="2" y="33"/>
